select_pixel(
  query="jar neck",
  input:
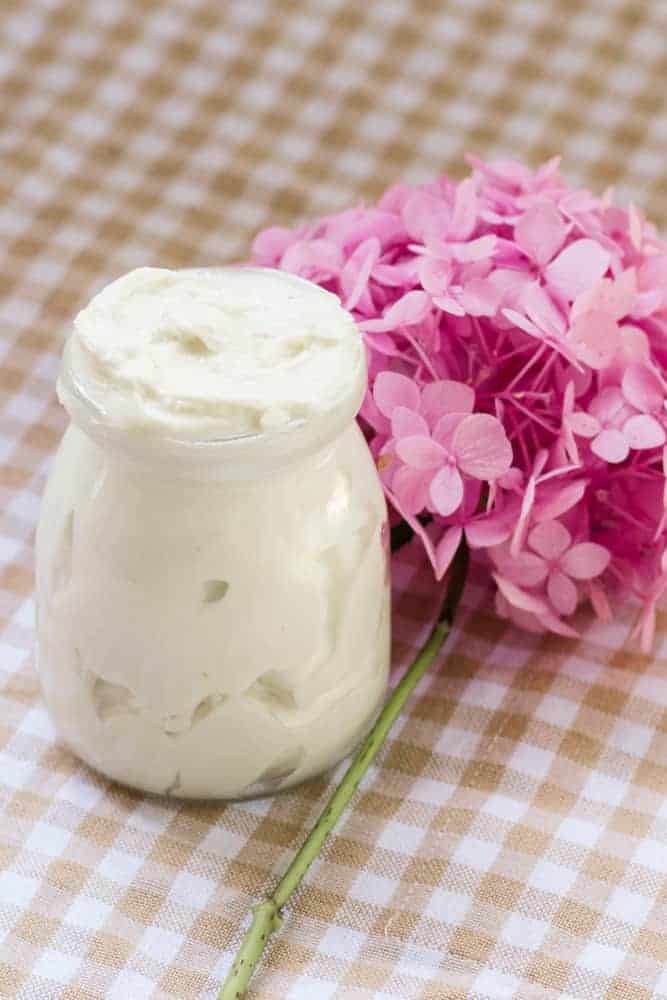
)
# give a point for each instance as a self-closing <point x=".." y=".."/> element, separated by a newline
<point x="212" y="462"/>
<point x="247" y="457"/>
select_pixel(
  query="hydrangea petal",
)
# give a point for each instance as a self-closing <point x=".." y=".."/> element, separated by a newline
<point x="635" y="345"/>
<point x="477" y="249"/>
<point x="480" y="297"/>
<point x="481" y="446"/>
<point x="554" y="624"/>
<point x="609" y="406"/>
<point x="391" y="390"/>
<point x="408" y="310"/>
<point x="540" y="232"/>
<point x="410" y="487"/>
<point x="423" y="213"/>
<point x="550" y="539"/>
<point x="420" y="451"/>
<point x="357" y="270"/>
<point x="611" y="446"/>
<point x="584" y="424"/>
<point x="643" y="432"/>
<point x="559" y="499"/>
<point x="595" y="339"/>
<point x="443" y="432"/>
<point x="446" y="548"/>
<point x="405" y="422"/>
<point x="577" y="267"/>
<point x="434" y="274"/>
<point x="447" y="490"/>
<point x="585" y="560"/>
<point x="518" y="597"/>
<point x="449" y="305"/>
<point x="525" y="569"/>
<point x="522" y="322"/>
<point x="562" y="593"/>
<point x="402" y="275"/>
<point x="615" y="298"/>
<point x="642" y="388"/>
<point x="419" y="529"/>
<point x="314" y="259"/>
<point x="489" y="529"/>
<point x="269" y="246"/>
<point x="541" y="310"/>
<point x="464" y="215"/>
<point x="446" y="396"/>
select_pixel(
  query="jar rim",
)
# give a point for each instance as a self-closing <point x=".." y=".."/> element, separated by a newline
<point x="130" y="376"/>
<point x="243" y="454"/>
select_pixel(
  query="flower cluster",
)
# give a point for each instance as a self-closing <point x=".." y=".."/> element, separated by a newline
<point x="516" y="330"/>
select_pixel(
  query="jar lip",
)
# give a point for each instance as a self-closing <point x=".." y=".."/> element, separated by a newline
<point x="242" y="454"/>
<point x="222" y="361"/>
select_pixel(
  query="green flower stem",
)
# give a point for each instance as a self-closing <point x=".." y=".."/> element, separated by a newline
<point x="267" y="916"/>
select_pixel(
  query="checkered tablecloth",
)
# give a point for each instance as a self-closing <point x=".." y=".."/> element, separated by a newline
<point x="512" y="839"/>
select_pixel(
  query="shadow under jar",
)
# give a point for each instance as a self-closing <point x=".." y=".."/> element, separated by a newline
<point x="212" y="576"/>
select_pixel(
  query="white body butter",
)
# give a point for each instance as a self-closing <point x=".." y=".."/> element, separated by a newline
<point x="211" y="560"/>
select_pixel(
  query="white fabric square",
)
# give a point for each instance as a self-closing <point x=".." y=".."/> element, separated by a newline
<point x="150" y="817"/>
<point x="306" y="988"/>
<point x="524" y="932"/>
<point x="81" y="791"/>
<point x="602" y="787"/>
<point x="131" y="986"/>
<point x="37" y="723"/>
<point x="373" y="888"/>
<point x="601" y="958"/>
<point x="55" y="965"/>
<point x="476" y="853"/>
<point x="652" y="854"/>
<point x="25" y="614"/>
<point x="46" y="838"/>
<point x="631" y="737"/>
<point x="342" y="942"/>
<point x="448" y="907"/>
<point x="496" y="984"/>
<point x="629" y="907"/>
<point x="504" y="807"/>
<point x="549" y="877"/>
<point x="161" y="944"/>
<point x="10" y="548"/>
<point x="485" y="694"/>
<point x="431" y="792"/>
<point x="556" y="711"/>
<point x="531" y="760"/>
<point x="11" y="659"/>
<point x="18" y="890"/>
<point x="401" y="837"/>
<point x="222" y="842"/>
<point x="88" y="913"/>
<point x="420" y="962"/>
<point x="456" y="742"/>
<point x="661" y="985"/>
<point x="579" y="831"/>
<point x="119" y="866"/>
<point x="191" y="890"/>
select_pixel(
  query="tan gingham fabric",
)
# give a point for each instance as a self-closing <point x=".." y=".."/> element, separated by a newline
<point x="512" y="839"/>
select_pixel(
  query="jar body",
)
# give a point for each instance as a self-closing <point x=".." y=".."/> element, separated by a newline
<point x="212" y="638"/>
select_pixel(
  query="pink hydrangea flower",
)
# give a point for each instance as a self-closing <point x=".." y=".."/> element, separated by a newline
<point x="437" y="440"/>
<point x="615" y="426"/>
<point x="552" y="559"/>
<point x="516" y="334"/>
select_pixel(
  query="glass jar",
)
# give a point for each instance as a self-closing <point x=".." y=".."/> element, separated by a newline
<point x="213" y="614"/>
